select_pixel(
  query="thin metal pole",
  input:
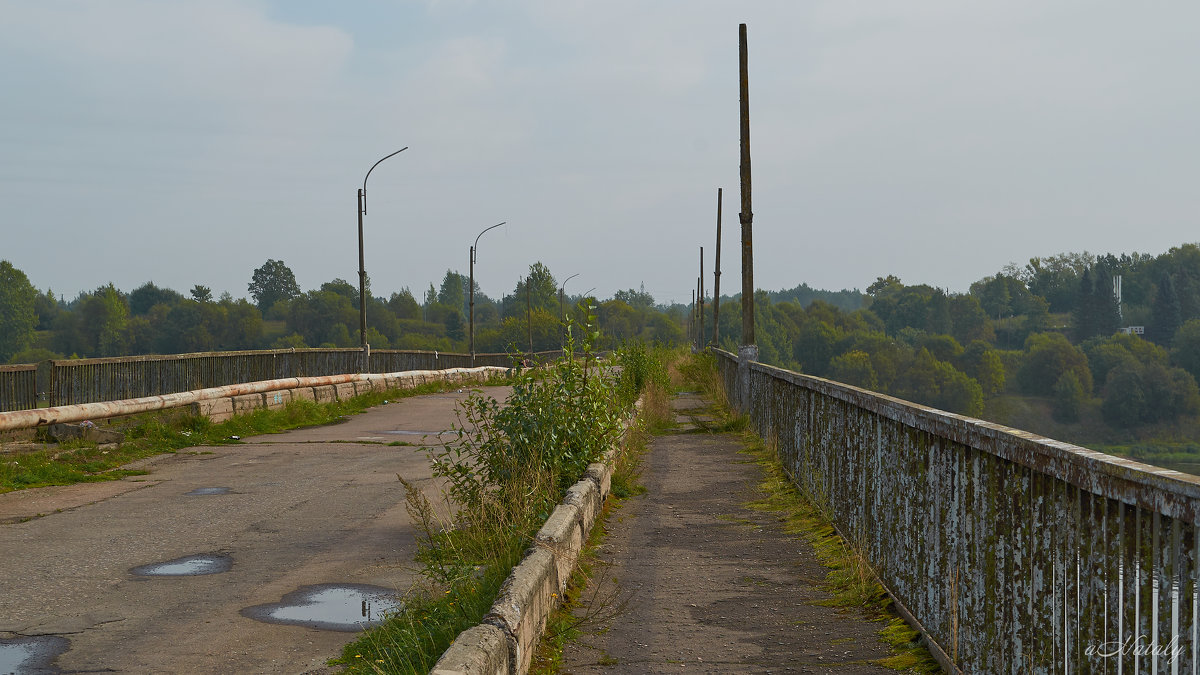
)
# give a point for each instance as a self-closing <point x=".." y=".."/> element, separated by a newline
<point x="362" y="276"/>
<point x="717" y="279"/>
<point x="471" y="320"/>
<point x="747" y="214"/>
<point x="362" y="272"/>
<point x="529" y="311"/>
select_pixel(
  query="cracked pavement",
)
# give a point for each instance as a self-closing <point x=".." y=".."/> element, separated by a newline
<point x="312" y="506"/>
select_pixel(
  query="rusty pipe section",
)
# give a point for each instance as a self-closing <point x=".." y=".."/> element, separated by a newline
<point x="25" y="419"/>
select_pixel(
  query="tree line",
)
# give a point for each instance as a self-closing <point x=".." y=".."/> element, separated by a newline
<point x="37" y="325"/>
<point x="1050" y="328"/>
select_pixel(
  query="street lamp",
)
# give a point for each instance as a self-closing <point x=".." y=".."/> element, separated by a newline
<point x="472" y="285"/>
<point x="362" y="272"/>
<point x="560" y="304"/>
<point x="560" y="296"/>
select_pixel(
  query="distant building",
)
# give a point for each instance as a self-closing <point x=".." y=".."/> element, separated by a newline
<point x="1132" y="330"/>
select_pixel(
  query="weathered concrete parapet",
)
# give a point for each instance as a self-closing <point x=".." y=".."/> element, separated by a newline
<point x="600" y="473"/>
<point x="277" y="399"/>
<point x="563" y="536"/>
<point x="481" y="650"/>
<point x="247" y="403"/>
<point x="585" y="496"/>
<point x="215" y="409"/>
<point x="345" y="391"/>
<point x="526" y="599"/>
<point x="245" y="393"/>
<point x="303" y="394"/>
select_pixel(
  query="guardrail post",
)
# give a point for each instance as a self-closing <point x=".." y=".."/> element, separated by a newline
<point x="44" y="383"/>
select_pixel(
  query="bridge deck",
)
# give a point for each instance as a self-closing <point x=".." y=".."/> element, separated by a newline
<point x="708" y="583"/>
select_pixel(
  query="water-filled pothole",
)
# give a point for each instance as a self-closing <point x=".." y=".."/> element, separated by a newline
<point x="31" y="655"/>
<point x="187" y="566"/>
<point x="204" y="491"/>
<point x="343" y="607"/>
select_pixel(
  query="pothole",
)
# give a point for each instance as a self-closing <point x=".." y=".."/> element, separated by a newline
<point x="31" y="655"/>
<point x="204" y="491"/>
<point x="341" y="607"/>
<point x="187" y="566"/>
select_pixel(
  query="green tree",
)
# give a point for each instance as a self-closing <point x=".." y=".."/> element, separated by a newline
<point x="104" y="318"/>
<point x="17" y="316"/>
<point x="1124" y="402"/>
<point x="1069" y="398"/>
<point x="983" y="364"/>
<point x="544" y="293"/>
<point x="47" y="310"/>
<point x="272" y="282"/>
<point x="854" y="368"/>
<point x="142" y="298"/>
<point x="814" y="347"/>
<point x="1185" y="351"/>
<point x="404" y="305"/>
<point x="1165" y="313"/>
<point x="1051" y="355"/>
<point x="201" y="293"/>
<point x="454" y="291"/>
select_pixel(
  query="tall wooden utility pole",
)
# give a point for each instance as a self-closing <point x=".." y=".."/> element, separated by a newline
<point x="692" y="321"/>
<point x="700" y="337"/>
<point x="529" y="311"/>
<point x="747" y="214"/>
<point x="717" y="279"/>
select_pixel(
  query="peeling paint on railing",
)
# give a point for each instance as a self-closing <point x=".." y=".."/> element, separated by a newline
<point x="1014" y="553"/>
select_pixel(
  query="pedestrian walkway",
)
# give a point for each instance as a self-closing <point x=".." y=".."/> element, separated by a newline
<point x="701" y="583"/>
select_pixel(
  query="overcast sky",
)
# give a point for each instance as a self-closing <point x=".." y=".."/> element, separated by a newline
<point x="186" y="142"/>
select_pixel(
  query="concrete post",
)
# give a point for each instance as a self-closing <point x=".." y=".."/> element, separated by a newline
<point x="747" y="354"/>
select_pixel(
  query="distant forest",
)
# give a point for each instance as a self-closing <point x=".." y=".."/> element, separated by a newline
<point x="1050" y="331"/>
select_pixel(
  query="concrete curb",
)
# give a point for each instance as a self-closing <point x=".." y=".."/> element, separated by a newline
<point x="534" y="588"/>
<point x="221" y="403"/>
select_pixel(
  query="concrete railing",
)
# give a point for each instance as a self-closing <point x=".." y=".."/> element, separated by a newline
<point x="1011" y="552"/>
<point x="221" y="403"/>
<point x="73" y="381"/>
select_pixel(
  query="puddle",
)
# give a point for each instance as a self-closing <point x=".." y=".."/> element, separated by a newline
<point x="400" y="432"/>
<point x="187" y="566"/>
<point x="342" y="607"/>
<point x="31" y="655"/>
<point x="208" y="491"/>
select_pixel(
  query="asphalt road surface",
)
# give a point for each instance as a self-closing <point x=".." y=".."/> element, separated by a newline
<point x="307" y="507"/>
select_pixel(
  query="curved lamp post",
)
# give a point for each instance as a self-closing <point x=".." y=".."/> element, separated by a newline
<point x="362" y="272"/>
<point x="472" y="289"/>
<point x="562" y="288"/>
